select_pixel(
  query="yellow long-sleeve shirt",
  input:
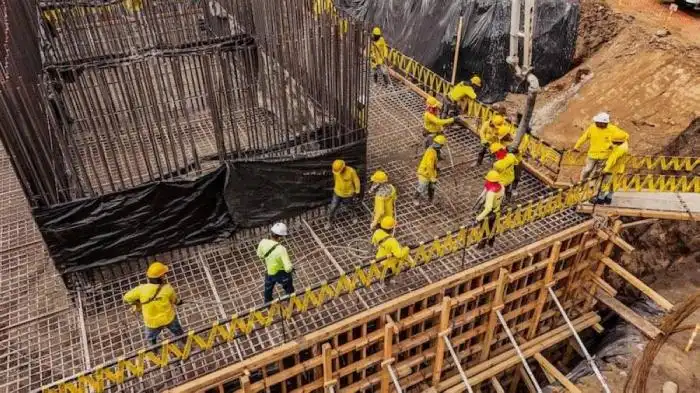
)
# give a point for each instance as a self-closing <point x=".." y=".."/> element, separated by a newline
<point x="387" y="246"/>
<point x="492" y="203"/>
<point x="488" y="133"/>
<point x="435" y="125"/>
<point x="157" y="306"/>
<point x="600" y="141"/>
<point x="506" y="168"/>
<point x="378" y="52"/>
<point x="347" y="183"/>
<point x="384" y="201"/>
<point x="460" y="92"/>
<point x="616" y="161"/>
<point x="427" y="169"/>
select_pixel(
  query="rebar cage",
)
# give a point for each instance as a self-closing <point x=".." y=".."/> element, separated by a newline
<point x="132" y="92"/>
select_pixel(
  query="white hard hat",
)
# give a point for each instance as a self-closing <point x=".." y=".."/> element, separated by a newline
<point x="601" y="117"/>
<point x="279" y="229"/>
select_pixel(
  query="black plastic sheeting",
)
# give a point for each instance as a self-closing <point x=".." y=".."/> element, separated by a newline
<point x="426" y="30"/>
<point x="161" y="216"/>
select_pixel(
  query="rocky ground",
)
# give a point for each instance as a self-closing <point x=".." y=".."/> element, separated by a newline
<point x="642" y="64"/>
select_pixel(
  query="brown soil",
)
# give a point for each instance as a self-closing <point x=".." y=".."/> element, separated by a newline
<point x="651" y="87"/>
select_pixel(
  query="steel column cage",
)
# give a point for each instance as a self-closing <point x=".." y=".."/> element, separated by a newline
<point x="134" y="92"/>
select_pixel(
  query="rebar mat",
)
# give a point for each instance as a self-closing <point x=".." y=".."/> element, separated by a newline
<point x="218" y="280"/>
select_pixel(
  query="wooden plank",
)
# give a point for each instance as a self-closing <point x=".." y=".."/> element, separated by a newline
<point x="641" y="213"/>
<point x="497" y="385"/>
<point x="600" y="269"/>
<point x="493" y="319"/>
<point x="600" y="283"/>
<point x="388" y="353"/>
<point x="555" y="373"/>
<point x="327" y="366"/>
<point x="640" y="222"/>
<point x="526" y="378"/>
<point x="628" y="315"/>
<point x="442" y="329"/>
<point x="542" y="296"/>
<point x="637" y="283"/>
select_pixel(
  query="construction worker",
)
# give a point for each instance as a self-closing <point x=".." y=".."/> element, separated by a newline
<point x="432" y="124"/>
<point x="345" y="190"/>
<point x="387" y="246"/>
<point x="384" y="198"/>
<point x="600" y="135"/>
<point x="460" y="95"/>
<point x="493" y="197"/>
<point x="614" y="165"/>
<point x="488" y="134"/>
<point x="278" y="266"/>
<point x="378" y="53"/>
<point x="156" y="300"/>
<point x="505" y="166"/>
<point x="519" y="152"/>
<point x="428" y="170"/>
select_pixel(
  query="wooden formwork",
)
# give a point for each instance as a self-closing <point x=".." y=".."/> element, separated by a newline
<point x="406" y="333"/>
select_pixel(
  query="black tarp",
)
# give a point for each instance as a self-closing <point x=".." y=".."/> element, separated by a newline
<point x="165" y="215"/>
<point x="262" y="191"/>
<point x="426" y="31"/>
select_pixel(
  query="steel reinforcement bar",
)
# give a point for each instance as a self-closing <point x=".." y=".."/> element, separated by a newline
<point x="219" y="332"/>
<point x="540" y="151"/>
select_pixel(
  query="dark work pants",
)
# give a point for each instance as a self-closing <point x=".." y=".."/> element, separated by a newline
<point x="283" y="278"/>
<point x="484" y="151"/>
<point x="336" y="204"/>
<point x="518" y="174"/>
<point x="492" y="223"/>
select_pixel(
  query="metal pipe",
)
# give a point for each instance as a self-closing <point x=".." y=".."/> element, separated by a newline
<point x="518" y="351"/>
<point x="590" y="360"/>
<point x="392" y="373"/>
<point x="458" y="364"/>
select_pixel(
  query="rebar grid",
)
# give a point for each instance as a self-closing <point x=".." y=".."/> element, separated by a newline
<point x="237" y="274"/>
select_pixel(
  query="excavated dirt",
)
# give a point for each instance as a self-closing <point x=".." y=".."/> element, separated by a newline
<point x="650" y="84"/>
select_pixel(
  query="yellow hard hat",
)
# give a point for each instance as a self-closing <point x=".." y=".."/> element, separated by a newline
<point x="498" y="120"/>
<point x="376" y="31"/>
<point x="338" y="166"/>
<point x="440" y="139"/>
<point x="475" y="80"/>
<point x="433" y="102"/>
<point x="379" y="177"/>
<point x="388" y="223"/>
<point x="492" y="176"/>
<point x="503" y="131"/>
<point x="496" y="147"/>
<point x="620" y="136"/>
<point x="156" y="270"/>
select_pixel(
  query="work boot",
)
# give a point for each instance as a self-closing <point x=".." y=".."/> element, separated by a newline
<point x="607" y="200"/>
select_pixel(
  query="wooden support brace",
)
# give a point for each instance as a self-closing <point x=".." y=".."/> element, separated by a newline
<point x="493" y="318"/>
<point x="555" y="373"/>
<point x="328" y="380"/>
<point x="440" y="347"/>
<point x="600" y="283"/>
<point x="388" y="356"/>
<point x="600" y="269"/>
<point x="528" y="383"/>
<point x="617" y="240"/>
<point x="692" y="338"/>
<point x="497" y="385"/>
<point x="637" y="283"/>
<point x="628" y="315"/>
<point x="245" y="384"/>
<point x="542" y="296"/>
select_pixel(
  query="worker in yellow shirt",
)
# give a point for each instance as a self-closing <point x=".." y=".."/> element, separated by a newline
<point x="493" y="198"/>
<point x="432" y="124"/>
<point x="156" y="300"/>
<point x="614" y="165"/>
<point x="278" y="265"/>
<point x="384" y="198"/>
<point x="505" y="166"/>
<point x="346" y="188"/>
<point x="428" y="170"/>
<point x="461" y="93"/>
<point x="519" y="152"/>
<point x="378" y="53"/>
<point x="600" y="136"/>
<point x="388" y="248"/>
<point x="488" y="134"/>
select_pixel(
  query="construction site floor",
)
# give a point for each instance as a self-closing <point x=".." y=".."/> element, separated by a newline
<point x="48" y="333"/>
